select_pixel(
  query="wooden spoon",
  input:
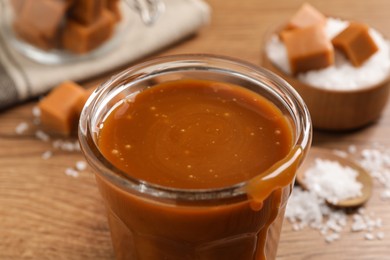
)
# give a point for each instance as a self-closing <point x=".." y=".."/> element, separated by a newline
<point x="363" y="177"/>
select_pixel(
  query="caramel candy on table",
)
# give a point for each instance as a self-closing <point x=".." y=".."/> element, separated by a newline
<point x="87" y="11"/>
<point x="81" y="101"/>
<point x="59" y="108"/>
<point x="17" y="5"/>
<point x="308" y="49"/>
<point x="80" y="38"/>
<point x="356" y="43"/>
<point x="38" y="21"/>
<point x="306" y="16"/>
<point x="114" y="8"/>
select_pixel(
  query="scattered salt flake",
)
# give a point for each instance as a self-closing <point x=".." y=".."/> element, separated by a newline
<point x="385" y="194"/>
<point x="36" y="111"/>
<point x="352" y="149"/>
<point x="340" y="153"/>
<point x="358" y="223"/>
<point x="67" y="146"/>
<point x="369" y="236"/>
<point x="332" y="181"/>
<point x="307" y="209"/>
<point x="380" y="235"/>
<point x="304" y="207"/>
<point x="21" y="128"/>
<point x="46" y="155"/>
<point x="332" y="237"/>
<point x="71" y="172"/>
<point x="42" y="136"/>
<point x="81" y="165"/>
<point x="378" y="223"/>
<point x="377" y="162"/>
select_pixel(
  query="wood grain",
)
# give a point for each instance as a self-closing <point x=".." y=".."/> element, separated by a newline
<point x="45" y="214"/>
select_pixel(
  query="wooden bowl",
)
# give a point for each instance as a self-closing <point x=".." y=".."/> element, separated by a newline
<point x="338" y="109"/>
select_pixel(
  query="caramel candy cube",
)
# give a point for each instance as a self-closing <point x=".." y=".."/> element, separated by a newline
<point x="30" y="35"/>
<point x="356" y="43"/>
<point x="58" y="108"/>
<point x="114" y="7"/>
<point x="306" y="16"/>
<point x="17" y="5"/>
<point x="308" y="49"/>
<point x="40" y="19"/>
<point x="80" y="38"/>
<point x="83" y="99"/>
<point x="87" y="11"/>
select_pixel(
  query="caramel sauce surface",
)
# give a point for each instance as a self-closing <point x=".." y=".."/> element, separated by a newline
<point x="195" y="134"/>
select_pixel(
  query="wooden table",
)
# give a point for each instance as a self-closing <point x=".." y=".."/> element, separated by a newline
<point x="45" y="214"/>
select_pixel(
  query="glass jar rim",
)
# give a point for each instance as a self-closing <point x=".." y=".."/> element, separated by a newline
<point x="296" y="107"/>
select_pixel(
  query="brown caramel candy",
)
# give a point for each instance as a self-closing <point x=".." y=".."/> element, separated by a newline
<point x="356" y="43"/>
<point x="38" y="21"/>
<point x="308" y="49"/>
<point x="30" y="35"/>
<point x="114" y="8"/>
<point x="59" y="112"/>
<point x="80" y="38"/>
<point x="81" y="102"/>
<point x="306" y="16"/>
<point x="87" y="11"/>
<point x="17" y="5"/>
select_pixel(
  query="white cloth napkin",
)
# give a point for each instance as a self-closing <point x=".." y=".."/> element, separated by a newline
<point x="21" y="78"/>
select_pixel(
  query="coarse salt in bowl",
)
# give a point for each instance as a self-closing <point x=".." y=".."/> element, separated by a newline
<point x="341" y="96"/>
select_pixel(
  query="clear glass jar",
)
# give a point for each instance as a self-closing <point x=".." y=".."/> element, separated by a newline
<point x="149" y="221"/>
<point x="61" y="31"/>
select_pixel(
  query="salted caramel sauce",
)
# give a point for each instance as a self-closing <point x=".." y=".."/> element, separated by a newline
<point x="195" y="134"/>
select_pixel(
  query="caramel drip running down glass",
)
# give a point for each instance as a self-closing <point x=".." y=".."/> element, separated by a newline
<point x="153" y="212"/>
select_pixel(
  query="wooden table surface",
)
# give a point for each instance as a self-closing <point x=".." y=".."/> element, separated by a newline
<point x="46" y="214"/>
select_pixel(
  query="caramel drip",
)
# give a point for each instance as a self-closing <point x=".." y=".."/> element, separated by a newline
<point x="278" y="176"/>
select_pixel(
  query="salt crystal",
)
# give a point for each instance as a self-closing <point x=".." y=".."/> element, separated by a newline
<point x="67" y="146"/>
<point x="334" y="226"/>
<point x="352" y="149"/>
<point x="304" y="207"/>
<point x="340" y="153"/>
<point x="46" y="155"/>
<point x="378" y="223"/>
<point x="21" y="128"/>
<point x="71" y="172"/>
<point x="369" y="236"/>
<point x="332" y="237"/>
<point x="332" y="181"/>
<point x="380" y="235"/>
<point x="81" y="165"/>
<point x="56" y="144"/>
<point x="385" y="194"/>
<point x="36" y="112"/>
<point x="296" y="227"/>
<point x="307" y="209"/>
<point x="42" y="136"/>
<point x="377" y="163"/>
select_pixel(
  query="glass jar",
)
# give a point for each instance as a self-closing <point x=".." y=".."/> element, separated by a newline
<point x="149" y="221"/>
<point x="60" y="31"/>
